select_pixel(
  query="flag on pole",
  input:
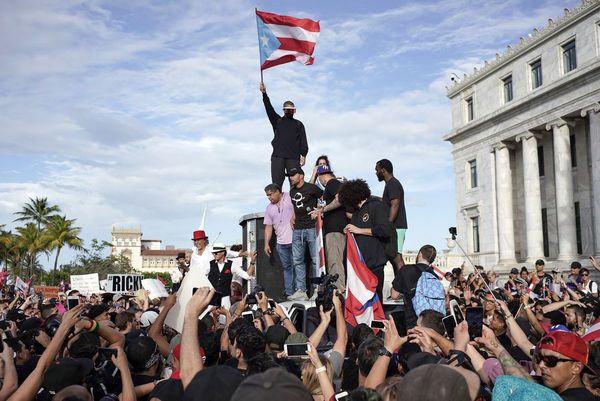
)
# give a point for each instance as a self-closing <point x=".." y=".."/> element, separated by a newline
<point x="362" y="303"/>
<point x="282" y="39"/>
<point x="161" y="280"/>
<point x="319" y="230"/>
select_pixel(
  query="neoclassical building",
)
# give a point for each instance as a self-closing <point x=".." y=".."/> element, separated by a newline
<point x="526" y="147"/>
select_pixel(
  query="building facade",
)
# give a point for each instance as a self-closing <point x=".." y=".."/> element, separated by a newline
<point x="526" y="147"/>
<point x="145" y="255"/>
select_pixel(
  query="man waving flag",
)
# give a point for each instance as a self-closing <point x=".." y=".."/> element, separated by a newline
<point x="282" y="39"/>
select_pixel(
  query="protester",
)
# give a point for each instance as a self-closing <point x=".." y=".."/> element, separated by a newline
<point x="289" y="139"/>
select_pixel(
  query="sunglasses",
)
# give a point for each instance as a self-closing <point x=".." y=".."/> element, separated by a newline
<point x="584" y="274"/>
<point x="549" y="361"/>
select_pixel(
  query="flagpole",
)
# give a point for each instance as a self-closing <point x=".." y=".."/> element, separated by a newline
<point x="261" y="71"/>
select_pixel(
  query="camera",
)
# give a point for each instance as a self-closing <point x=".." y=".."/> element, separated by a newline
<point x="326" y="288"/>
<point x="251" y="298"/>
<point x="453" y="232"/>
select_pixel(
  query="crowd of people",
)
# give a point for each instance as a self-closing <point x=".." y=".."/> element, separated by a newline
<point x="472" y="335"/>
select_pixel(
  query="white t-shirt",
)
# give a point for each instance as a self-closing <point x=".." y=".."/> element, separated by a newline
<point x="590" y="288"/>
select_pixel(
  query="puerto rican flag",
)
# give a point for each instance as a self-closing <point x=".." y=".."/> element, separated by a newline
<point x="362" y="303"/>
<point x="319" y="230"/>
<point x="282" y="39"/>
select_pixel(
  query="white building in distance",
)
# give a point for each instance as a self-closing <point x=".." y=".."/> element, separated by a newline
<point x="145" y="255"/>
<point x="526" y="146"/>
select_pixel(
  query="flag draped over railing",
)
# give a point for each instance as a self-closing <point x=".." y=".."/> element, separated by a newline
<point x="282" y="39"/>
<point x="362" y="303"/>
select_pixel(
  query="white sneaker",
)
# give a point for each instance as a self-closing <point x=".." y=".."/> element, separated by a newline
<point x="299" y="295"/>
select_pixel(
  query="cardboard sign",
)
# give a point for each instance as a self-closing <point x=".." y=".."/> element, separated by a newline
<point x="86" y="284"/>
<point x="156" y="288"/>
<point x="194" y="279"/>
<point x="123" y="283"/>
<point x="47" y="291"/>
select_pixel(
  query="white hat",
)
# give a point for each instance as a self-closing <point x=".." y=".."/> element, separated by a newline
<point x="148" y="318"/>
<point x="218" y="248"/>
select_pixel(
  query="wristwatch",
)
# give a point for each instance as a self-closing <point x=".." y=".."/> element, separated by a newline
<point x="384" y="352"/>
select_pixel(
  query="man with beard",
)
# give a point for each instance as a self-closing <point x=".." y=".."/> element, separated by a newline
<point x="393" y="197"/>
<point x="369" y="224"/>
<point x="289" y="139"/>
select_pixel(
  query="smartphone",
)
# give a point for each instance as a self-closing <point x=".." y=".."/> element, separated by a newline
<point x="474" y="318"/>
<point x="456" y="312"/>
<point x="251" y="299"/>
<point x="72" y="302"/>
<point x="449" y="325"/>
<point x="271" y="304"/>
<point x="296" y="350"/>
<point x="400" y="322"/>
<point x="377" y="324"/>
<point x="343" y="396"/>
<point x="106" y="353"/>
<point x="248" y="315"/>
<point x="216" y="299"/>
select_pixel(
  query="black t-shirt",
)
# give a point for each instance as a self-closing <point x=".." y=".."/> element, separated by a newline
<point x="578" y="394"/>
<point x="335" y="220"/>
<point x="393" y="190"/>
<point x="373" y="214"/>
<point x="304" y="200"/>
<point x="546" y="280"/>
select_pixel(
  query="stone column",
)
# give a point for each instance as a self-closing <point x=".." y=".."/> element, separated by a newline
<point x="504" y="193"/>
<point x="533" y="197"/>
<point x="593" y="112"/>
<point x="563" y="179"/>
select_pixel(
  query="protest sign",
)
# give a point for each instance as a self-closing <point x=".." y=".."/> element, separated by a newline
<point x="123" y="283"/>
<point x="156" y="288"/>
<point x="47" y="291"/>
<point x="86" y="283"/>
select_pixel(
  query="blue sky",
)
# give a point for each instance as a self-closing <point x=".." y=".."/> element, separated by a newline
<point x="142" y="112"/>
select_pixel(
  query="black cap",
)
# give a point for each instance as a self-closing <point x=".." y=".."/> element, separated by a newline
<point x="97" y="310"/>
<point x="540" y="262"/>
<point x="217" y="383"/>
<point x="180" y="255"/>
<point x="66" y="372"/>
<point x="575" y="265"/>
<point x="293" y="171"/>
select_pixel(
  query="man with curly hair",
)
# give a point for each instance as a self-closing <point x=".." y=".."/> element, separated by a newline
<point x="369" y="224"/>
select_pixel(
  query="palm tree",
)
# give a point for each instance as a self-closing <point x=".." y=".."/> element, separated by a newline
<point x="30" y="240"/>
<point x="59" y="233"/>
<point x="37" y="211"/>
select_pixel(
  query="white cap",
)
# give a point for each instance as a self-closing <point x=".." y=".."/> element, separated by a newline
<point x="148" y="318"/>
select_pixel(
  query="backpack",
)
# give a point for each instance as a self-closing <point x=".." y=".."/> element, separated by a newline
<point x="429" y="294"/>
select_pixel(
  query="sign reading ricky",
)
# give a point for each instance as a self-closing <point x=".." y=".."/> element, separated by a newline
<point x="122" y="283"/>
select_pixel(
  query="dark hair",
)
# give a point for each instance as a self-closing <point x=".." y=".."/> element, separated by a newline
<point x="122" y="318"/>
<point x="250" y="341"/>
<point x="428" y="253"/>
<point x="85" y="346"/>
<point x="272" y="188"/>
<point x="235" y="327"/>
<point x="360" y="333"/>
<point x="387" y="165"/>
<point x="584" y="270"/>
<point x="323" y="157"/>
<point x="524" y="270"/>
<point x="236" y="247"/>
<point x="578" y="310"/>
<point x="368" y="352"/>
<point x="433" y="320"/>
<point x="352" y="192"/>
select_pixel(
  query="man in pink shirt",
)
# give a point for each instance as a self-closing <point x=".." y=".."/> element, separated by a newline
<point x="279" y="215"/>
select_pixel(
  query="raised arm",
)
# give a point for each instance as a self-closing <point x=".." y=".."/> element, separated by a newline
<point x="155" y="330"/>
<point x="10" y="384"/>
<point x="316" y="336"/>
<point x="271" y="113"/>
<point x="392" y="342"/>
<point x="340" y="326"/>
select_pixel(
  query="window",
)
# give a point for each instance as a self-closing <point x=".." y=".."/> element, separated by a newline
<point x="573" y="151"/>
<point x="541" y="160"/>
<point x="470" y="111"/>
<point x="578" y="228"/>
<point x="545" y="232"/>
<point x="473" y="172"/>
<point x="508" y="89"/>
<point x="569" y="56"/>
<point x="536" y="74"/>
<point x="475" y="229"/>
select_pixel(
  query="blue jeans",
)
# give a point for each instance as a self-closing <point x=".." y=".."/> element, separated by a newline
<point x="285" y="256"/>
<point x="301" y="238"/>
